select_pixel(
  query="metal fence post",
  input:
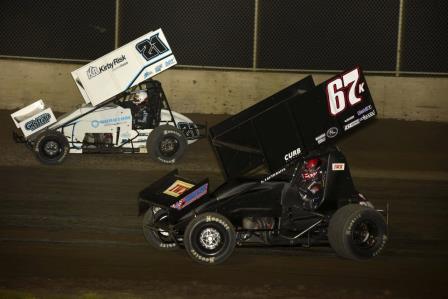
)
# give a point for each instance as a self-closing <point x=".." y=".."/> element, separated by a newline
<point x="255" y="41"/>
<point x="399" y="38"/>
<point x="117" y="23"/>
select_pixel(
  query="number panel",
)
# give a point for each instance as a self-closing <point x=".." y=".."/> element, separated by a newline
<point x="344" y="90"/>
<point x="152" y="47"/>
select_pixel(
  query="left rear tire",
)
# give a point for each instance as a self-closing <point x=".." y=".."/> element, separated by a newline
<point x="156" y="237"/>
<point x="51" y="147"/>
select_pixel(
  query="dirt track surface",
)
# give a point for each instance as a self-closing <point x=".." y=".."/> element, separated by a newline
<point x="73" y="228"/>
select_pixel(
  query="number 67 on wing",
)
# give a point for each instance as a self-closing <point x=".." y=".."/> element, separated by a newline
<point x="346" y="89"/>
<point x="334" y="108"/>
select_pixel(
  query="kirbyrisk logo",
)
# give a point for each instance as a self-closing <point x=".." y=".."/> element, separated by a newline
<point x="38" y="122"/>
<point x="94" y="71"/>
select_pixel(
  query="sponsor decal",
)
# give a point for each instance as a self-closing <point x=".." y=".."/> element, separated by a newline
<point x="169" y="62"/>
<point x="362" y="118"/>
<point x="109" y="121"/>
<point x="349" y="119"/>
<point x="95" y="123"/>
<point x="321" y="138"/>
<point x="364" y="110"/>
<point x="352" y="124"/>
<point x="165" y="132"/>
<point x="147" y="74"/>
<point x="178" y="188"/>
<point x="273" y="175"/>
<point x="338" y="166"/>
<point x="367" y="116"/>
<point x="344" y="89"/>
<point x="209" y="260"/>
<point x="215" y="219"/>
<point x="167" y="245"/>
<point x="94" y="71"/>
<point x="190" y="198"/>
<point x="292" y="154"/>
<point x="38" y="122"/>
<point x="158" y="68"/>
<point x="308" y="176"/>
<point x="332" y="132"/>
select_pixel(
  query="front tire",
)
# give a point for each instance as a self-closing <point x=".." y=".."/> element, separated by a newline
<point x="156" y="237"/>
<point x="166" y="144"/>
<point x="357" y="232"/>
<point x="210" y="238"/>
<point x="51" y="147"/>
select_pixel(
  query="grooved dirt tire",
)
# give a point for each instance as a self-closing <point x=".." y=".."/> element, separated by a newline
<point x="157" y="238"/>
<point x="51" y="147"/>
<point x="209" y="238"/>
<point x="166" y="144"/>
<point x="357" y="232"/>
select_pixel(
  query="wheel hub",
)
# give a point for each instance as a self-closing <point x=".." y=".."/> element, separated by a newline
<point x="210" y="238"/>
<point x="168" y="146"/>
<point x="365" y="234"/>
<point x="51" y="148"/>
<point x="163" y="234"/>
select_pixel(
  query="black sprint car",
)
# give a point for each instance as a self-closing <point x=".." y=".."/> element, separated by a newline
<point x="307" y="195"/>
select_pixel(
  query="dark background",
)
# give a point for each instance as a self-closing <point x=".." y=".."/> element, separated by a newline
<point x="292" y="34"/>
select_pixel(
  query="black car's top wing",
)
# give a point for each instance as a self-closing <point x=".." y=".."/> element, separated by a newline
<point x="296" y="120"/>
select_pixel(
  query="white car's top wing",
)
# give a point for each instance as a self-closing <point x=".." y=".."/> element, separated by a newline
<point x="124" y="67"/>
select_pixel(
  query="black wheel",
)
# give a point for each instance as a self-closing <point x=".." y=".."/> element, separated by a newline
<point x="357" y="232"/>
<point x="209" y="238"/>
<point x="166" y="144"/>
<point x="51" y="147"/>
<point x="157" y="237"/>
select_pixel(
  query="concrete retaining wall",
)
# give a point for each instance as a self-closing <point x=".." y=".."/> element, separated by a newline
<point x="219" y="92"/>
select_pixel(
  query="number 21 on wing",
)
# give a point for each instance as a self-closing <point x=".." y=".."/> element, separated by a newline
<point x="344" y="90"/>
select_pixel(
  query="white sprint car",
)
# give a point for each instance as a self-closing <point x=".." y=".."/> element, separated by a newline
<point x="125" y="110"/>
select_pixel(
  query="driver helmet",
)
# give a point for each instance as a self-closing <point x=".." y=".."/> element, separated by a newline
<point x="139" y="97"/>
<point x="312" y="164"/>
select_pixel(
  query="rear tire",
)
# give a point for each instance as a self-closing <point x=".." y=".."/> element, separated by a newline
<point x="357" y="232"/>
<point x="157" y="238"/>
<point x="209" y="238"/>
<point x="166" y="144"/>
<point x="51" y="147"/>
